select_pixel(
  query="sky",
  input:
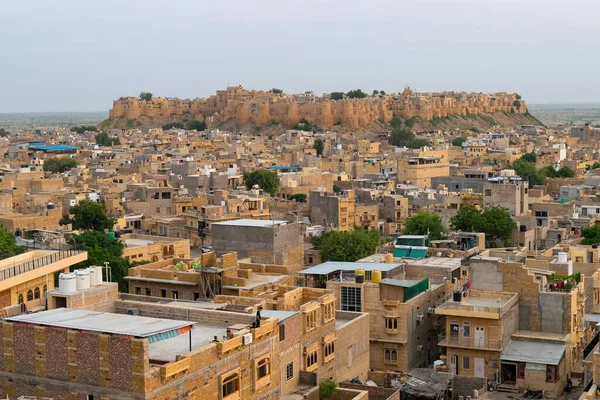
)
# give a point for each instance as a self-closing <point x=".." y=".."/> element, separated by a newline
<point x="80" y="55"/>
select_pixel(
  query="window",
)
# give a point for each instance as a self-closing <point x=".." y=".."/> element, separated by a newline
<point x="148" y="292"/>
<point x="311" y="361"/>
<point x="36" y="293"/>
<point x="281" y="332"/>
<point x="351" y="298"/>
<point x="263" y="368"/>
<point x="20" y="298"/>
<point x="521" y="370"/>
<point x="390" y="356"/>
<point x="90" y="397"/>
<point x="175" y="294"/>
<point x="329" y="351"/>
<point x="138" y="290"/>
<point x="45" y="289"/>
<point x="29" y="295"/>
<point x="467" y="329"/>
<point x="466" y="363"/>
<point x="230" y="385"/>
<point x="289" y="371"/>
<point x="328" y="312"/>
<point x="391" y="325"/>
<point x="163" y="292"/>
<point x="196" y="296"/>
<point x="488" y="192"/>
<point x="551" y="373"/>
<point x="310" y="320"/>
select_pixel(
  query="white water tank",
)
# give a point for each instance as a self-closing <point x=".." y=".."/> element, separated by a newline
<point x="93" y="276"/>
<point x="99" y="275"/>
<point x="83" y="279"/>
<point x="67" y="283"/>
<point x="562" y="257"/>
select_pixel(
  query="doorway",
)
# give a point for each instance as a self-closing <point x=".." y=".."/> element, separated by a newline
<point x="479" y="367"/>
<point x="453" y="363"/>
<point x="479" y="337"/>
<point x="508" y="373"/>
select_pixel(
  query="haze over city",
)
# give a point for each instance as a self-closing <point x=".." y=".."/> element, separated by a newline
<point x="70" y="55"/>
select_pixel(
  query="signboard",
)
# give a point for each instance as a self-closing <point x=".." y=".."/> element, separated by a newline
<point x="536" y="367"/>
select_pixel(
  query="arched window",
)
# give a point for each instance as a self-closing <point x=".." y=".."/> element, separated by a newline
<point x="171" y="250"/>
<point x="29" y="295"/>
<point x="21" y="298"/>
<point x="387" y="354"/>
<point x="45" y="289"/>
<point x="394" y="355"/>
<point x="154" y="259"/>
<point x="36" y="293"/>
<point x="165" y="251"/>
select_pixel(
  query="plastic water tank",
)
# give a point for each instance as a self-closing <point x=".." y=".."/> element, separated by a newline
<point x="99" y="274"/>
<point x="93" y="276"/>
<point x="360" y="271"/>
<point x="562" y="257"/>
<point x="389" y="258"/>
<point x="83" y="279"/>
<point x="375" y="276"/>
<point x="67" y="283"/>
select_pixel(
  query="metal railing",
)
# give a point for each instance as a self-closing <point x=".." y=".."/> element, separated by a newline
<point x="39" y="262"/>
<point x="469" y="342"/>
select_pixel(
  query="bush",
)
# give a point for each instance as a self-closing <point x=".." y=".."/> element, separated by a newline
<point x="60" y="164"/>
<point x="299" y="197"/>
<point x="84" y="128"/>
<point x="327" y="389"/>
<point x="173" y="125"/>
<point x="196" y="125"/>
<point x="356" y="94"/>
<point x="458" y="142"/>
<point x="336" y="95"/>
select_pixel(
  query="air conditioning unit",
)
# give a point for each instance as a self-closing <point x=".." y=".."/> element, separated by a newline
<point x="420" y="347"/>
<point x="431" y="310"/>
<point x="247" y="338"/>
<point x="420" y="317"/>
<point x="133" y="311"/>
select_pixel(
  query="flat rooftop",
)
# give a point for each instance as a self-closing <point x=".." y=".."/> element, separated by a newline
<point x="119" y="324"/>
<point x="480" y="304"/>
<point x="333" y="266"/>
<point x="258" y="280"/>
<point x="258" y="223"/>
<point x="169" y="349"/>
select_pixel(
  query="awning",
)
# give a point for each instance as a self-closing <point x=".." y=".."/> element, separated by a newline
<point x="534" y="351"/>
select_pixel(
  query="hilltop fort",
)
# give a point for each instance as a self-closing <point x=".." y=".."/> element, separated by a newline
<point x="260" y="108"/>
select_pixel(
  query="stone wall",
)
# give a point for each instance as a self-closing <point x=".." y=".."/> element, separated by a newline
<point x="260" y="108"/>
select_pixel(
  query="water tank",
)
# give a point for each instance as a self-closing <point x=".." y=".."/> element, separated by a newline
<point x="83" y="279"/>
<point x="562" y="257"/>
<point x="359" y="278"/>
<point x="389" y="258"/>
<point x="375" y="276"/>
<point x="50" y="206"/>
<point x="111" y="235"/>
<point x="93" y="276"/>
<point x="457" y="296"/>
<point x="360" y="272"/>
<point x="67" y="283"/>
<point x="99" y="275"/>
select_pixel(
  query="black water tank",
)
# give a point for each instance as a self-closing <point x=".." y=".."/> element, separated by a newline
<point x="457" y="296"/>
<point x="359" y="278"/>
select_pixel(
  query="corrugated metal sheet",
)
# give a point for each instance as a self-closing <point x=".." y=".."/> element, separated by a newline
<point x="534" y="351"/>
<point x="333" y="266"/>
<point x="119" y="324"/>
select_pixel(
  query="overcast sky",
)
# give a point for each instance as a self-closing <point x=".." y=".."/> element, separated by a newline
<point x="79" y="55"/>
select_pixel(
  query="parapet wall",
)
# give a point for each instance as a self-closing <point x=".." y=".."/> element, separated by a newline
<point x="260" y="108"/>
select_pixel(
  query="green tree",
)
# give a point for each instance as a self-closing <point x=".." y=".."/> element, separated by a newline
<point x="196" y="125"/>
<point x="528" y="172"/>
<point x="458" y="142"/>
<point x="84" y="128"/>
<point x="102" y="248"/>
<point x="336" y="188"/>
<point x="274" y="90"/>
<point x="266" y="180"/>
<point x="146" y="96"/>
<point x="512" y="143"/>
<point x="8" y="244"/>
<point x="336" y="95"/>
<point x="517" y="103"/>
<point x="591" y="235"/>
<point x="299" y="197"/>
<point x="529" y="157"/>
<point x="59" y="164"/>
<point x="375" y="92"/>
<point x="319" y="146"/>
<point x="89" y="215"/>
<point x="173" y="125"/>
<point x="595" y="165"/>
<point x="347" y="246"/>
<point x="356" y="94"/>
<point x="4" y="132"/>
<point x="402" y="137"/>
<point x="396" y="122"/>
<point x="496" y="222"/>
<point x="518" y="96"/>
<point x="409" y="123"/>
<point x="424" y="223"/>
<point x="564" y="172"/>
<point x="382" y="92"/>
<point x="327" y="389"/>
<point x="103" y="139"/>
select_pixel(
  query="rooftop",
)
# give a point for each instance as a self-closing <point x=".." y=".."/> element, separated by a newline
<point x="258" y="223"/>
<point x="534" y="351"/>
<point x="480" y="304"/>
<point x="334" y="266"/>
<point x="118" y="324"/>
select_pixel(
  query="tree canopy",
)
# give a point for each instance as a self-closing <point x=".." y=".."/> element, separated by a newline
<point x="591" y="235"/>
<point x="347" y="246"/>
<point x="458" y="142"/>
<point x="496" y="222"/>
<point x="529" y="172"/>
<point x="266" y="180"/>
<point x="59" y="164"/>
<point x="8" y="244"/>
<point x="4" y="132"/>
<point x="327" y="389"/>
<point x="307" y="126"/>
<point x="336" y="95"/>
<point x="173" y="125"/>
<point x="103" y="139"/>
<point x="299" y="197"/>
<point x="319" y="146"/>
<point x="196" y="125"/>
<point x="402" y="137"/>
<point x="595" y="165"/>
<point x="275" y="90"/>
<point x="396" y="122"/>
<point x="425" y="223"/>
<point x="146" y="96"/>
<point x="89" y="215"/>
<point x="563" y="172"/>
<point x="529" y="157"/>
<point x="356" y="94"/>
<point x="84" y="128"/>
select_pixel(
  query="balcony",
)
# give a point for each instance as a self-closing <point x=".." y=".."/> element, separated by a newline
<point x="469" y="343"/>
